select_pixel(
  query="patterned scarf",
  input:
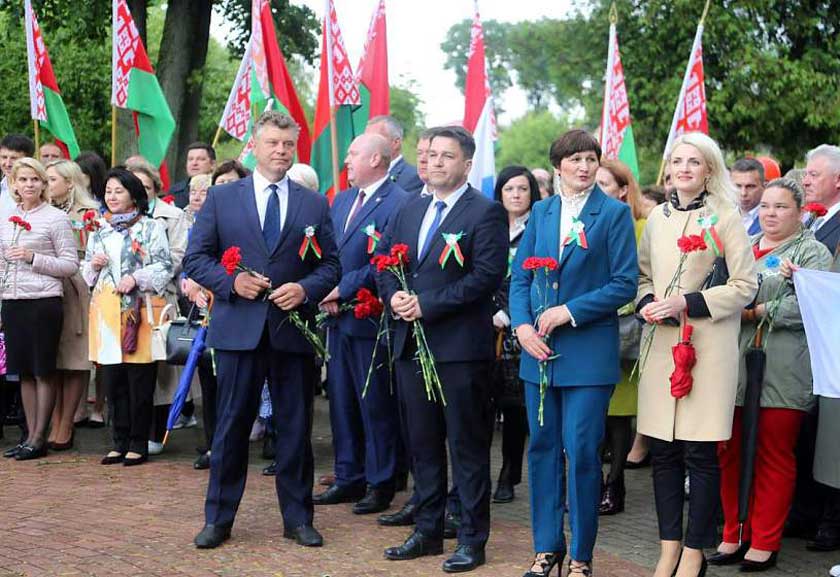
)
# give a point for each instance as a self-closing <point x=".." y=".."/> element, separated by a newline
<point x="123" y="221"/>
<point x="698" y="202"/>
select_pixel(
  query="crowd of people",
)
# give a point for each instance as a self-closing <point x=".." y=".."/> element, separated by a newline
<point x="556" y="309"/>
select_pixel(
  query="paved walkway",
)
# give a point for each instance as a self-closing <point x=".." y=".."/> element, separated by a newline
<point x="68" y="515"/>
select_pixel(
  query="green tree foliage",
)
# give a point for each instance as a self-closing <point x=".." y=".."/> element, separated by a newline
<point x="406" y="107"/>
<point x="298" y="29"/>
<point x="527" y="139"/>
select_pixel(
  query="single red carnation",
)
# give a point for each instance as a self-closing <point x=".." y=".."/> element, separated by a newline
<point x="550" y="263"/>
<point x="815" y="208"/>
<point x="231" y="259"/>
<point x="364" y="295"/>
<point x="532" y="263"/>
<point x="168" y="199"/>
<point x="400" y="251"/>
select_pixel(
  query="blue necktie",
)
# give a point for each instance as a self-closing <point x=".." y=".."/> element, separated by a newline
<point x="271" y="224"/>
<point x="427" y="242"/>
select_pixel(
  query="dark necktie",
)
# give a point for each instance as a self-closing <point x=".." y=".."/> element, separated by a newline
<point x="271" y="224"/>
<point x="427" y="242"/>
<point x="358" y="205"/>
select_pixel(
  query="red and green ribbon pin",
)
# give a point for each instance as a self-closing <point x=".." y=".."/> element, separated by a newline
<point x="577" y="234"/>
<point x="374" y="236"/>
<point x="309" y="243"/>
<point x="452" y="248"/>
<point x="710" y="234"/>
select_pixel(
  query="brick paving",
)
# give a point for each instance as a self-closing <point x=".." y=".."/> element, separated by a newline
<point x="68" y="515"/>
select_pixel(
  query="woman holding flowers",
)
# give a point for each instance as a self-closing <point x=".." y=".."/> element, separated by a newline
<point x="687" y="245"/>
<point x="38" y="250"/>
<point x="575" y="266"/>
<point x="786" y="390"/>
<point x="127" y="263"/>
<point x="68" y="193"/>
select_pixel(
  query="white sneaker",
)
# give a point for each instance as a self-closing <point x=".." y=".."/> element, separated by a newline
<point x="185" y="422"/>
<point x="834" y="571"/>
<point x="155" y="448"/>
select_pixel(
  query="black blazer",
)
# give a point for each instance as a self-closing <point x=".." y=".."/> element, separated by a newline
<point x="229" y="218"/>
<point x="829" y="233"/>
<point x="456" y="302"/>
<point x="406" y="177"/>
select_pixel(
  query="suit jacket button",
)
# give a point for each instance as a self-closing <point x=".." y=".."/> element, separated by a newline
<point x="414" y="275"/>
<point x="555" y="285"/>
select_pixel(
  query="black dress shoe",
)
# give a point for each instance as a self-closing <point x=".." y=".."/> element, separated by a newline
<point x="720" y="559"/>
<point x="337" y="494"/>
<point x="504" y="493"/>
<point x="28" y="452"/>
<point x="545" y="564"/>
<point x="417" y="545"/>
<point x="305" y="535"/>
<point x="202" y="462"/>
<point x="402" y="518"/>
<point x="612" y="500"/>
<point x="451" y="524"/>
<point x="270" y="471"/>
<point x="748" y="566"/>
<point x="211" y="537"/>
<point x="11" y="452"/>
<point x="377" y="499"/>
<point x="826" y="539"/>
<point x="465" y="558"/>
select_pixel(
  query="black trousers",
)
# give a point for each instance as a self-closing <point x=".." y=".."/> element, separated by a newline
<point x="514" y="433"/>
<point x="131" y="389"/>
<point x="466" y="422"/>
<point x="618" y="439"/>
<point x="670" y="461"/>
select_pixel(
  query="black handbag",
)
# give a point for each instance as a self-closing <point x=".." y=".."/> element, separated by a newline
<point x="180" y="338"/>
<point x="719" y="274"/>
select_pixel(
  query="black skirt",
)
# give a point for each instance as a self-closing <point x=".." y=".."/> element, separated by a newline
<point x="33" y="329"/>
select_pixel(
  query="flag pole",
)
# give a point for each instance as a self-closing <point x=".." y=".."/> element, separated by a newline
<point x="37" y="135"/>
<point x="113" y="135"/>
<point x="334" y="150"/>
<point x="216" y="138"/>
<point x="662" y="162"/>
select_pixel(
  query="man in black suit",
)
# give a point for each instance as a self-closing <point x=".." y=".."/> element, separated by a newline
<point x="400" y="171"/>
<point x="821" y="182"/>
<point x="285" y="233"/>
<point x="453" y="300"/>
<point x="201" y="159"/>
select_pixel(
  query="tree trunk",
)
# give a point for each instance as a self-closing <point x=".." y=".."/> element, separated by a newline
<point x="180" y="69"/>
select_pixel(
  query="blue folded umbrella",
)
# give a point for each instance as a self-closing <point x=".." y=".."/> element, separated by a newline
<point x="190" y="366"/>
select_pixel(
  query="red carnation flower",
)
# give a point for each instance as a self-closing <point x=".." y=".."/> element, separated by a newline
<point x="550" y="263"/>
<point x="168" y="199"/>
<point x="400" y="252"/>
<point x="231" y="259"/>
<point x="537" y="262"/>
<point x="18" y="221"/>
<point x="691" y="243"/>
<point x="89" y="220"/>
<point x="383" y="261"/>
<point x="815" y="208"/>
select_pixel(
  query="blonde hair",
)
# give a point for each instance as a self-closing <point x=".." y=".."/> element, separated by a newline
<point x="71" y="172"/>
<point x="200" y="181"/>
<point x="33" y="164"/>
<point x="718" y="184"/>
<point x="139" y="164"/>
<point x="624" y="177"/>
<point x="304" y="174"/>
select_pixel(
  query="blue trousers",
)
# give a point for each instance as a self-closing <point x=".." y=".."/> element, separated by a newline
<point x="365" y="431"/>
<point x="573" y="427"/>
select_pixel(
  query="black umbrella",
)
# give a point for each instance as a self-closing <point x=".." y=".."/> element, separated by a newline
<point x="756" y="360"/>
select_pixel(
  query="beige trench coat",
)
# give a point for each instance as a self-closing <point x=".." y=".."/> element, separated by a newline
<point x="706" y="413"/>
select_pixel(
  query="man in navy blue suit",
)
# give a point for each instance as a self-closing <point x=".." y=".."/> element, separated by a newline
<point x="400" y="171"/>
<point x="285" y="234"/>
<point x="452" y="297"/>
<point x="364" y="430"/>
<point x="748" y="177"/>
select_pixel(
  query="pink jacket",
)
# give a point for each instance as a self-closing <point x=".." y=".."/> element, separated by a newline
<point x="55" y="248"/>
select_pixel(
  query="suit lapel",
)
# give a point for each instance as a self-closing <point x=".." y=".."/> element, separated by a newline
<point x="252" y="216"/>
<point x="828" y="228"/>
<point x="361" y="218"/>
<point x="413" y="222"/>
<point x="552" y="218"/>
<point x="292" y="210"/>
<point x="342" y="206"/>
<point x="448" y="224"/>
<point x="588" y="214"/>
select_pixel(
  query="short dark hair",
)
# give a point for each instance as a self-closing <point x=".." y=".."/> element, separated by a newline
<point x="428" y="133"/>
<point x="211" y="152"/>
<point x="509" y="172"/>
<point x="18" y="143"/>
<point x="465" y="140"/>
<point x="133" y="185"/>
<point x="96" y="170"/>
<point x="231" y="165"/>
<point x="654" y="193"/>
<point x="748" y="165"/>
<point x="573" y="142"/>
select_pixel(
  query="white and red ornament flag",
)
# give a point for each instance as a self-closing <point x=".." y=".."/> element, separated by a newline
<point x="690" y="114"/>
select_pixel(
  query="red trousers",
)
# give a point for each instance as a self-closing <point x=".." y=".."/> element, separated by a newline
<point x="773" y="480"/>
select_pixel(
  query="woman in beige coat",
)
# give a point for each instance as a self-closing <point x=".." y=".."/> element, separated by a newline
<point x="67" y="192"/>
<point x="684" y="433"/>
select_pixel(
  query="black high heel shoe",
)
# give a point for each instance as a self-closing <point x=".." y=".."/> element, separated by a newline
<point x="720" y="559"/>
<point x="628" y="464"/>
<point x="703" y="567"/>
<point x="546" y="564"/>
<point x="748" y="566"/>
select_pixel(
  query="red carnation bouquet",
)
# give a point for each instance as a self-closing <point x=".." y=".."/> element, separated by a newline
<point x="90" y="222"/>
<point x="395" y="262"/>
<point x="536" y="264"/>
<point x="231" y="261"/>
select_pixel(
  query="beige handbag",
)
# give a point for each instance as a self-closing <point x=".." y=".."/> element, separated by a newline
<point x="161" y="329"/>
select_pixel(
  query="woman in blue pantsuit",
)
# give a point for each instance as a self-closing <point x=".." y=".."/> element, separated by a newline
<point x="570" y="323"/>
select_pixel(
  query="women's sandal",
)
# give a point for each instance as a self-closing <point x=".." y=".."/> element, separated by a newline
<point x="544" y="563"/>
<point x="583" y="569"/>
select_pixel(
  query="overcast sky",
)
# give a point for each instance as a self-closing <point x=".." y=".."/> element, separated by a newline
<point x="416" y="29"/>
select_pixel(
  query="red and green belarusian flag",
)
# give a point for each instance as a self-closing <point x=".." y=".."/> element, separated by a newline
<point x="46" y="105"/>
<point x="338" y="96"/>
<point x="263" y="83"/>
<point x="616" y="130"/>
<point x="135" y="87"/>
<point x="372" y="72"/>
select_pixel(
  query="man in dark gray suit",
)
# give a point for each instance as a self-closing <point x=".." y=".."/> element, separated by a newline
<point x="401" y="172"/>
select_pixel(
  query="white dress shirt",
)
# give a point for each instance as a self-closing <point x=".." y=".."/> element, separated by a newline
<point x="425" y="191"/>
<point x="748" y="218"/>
<point x="262" y="192"/>
<point x="369" y="192"/>
<point x="6" y="200"/>
<point x="572" y="205"/>
<point x="430" y="213"/>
